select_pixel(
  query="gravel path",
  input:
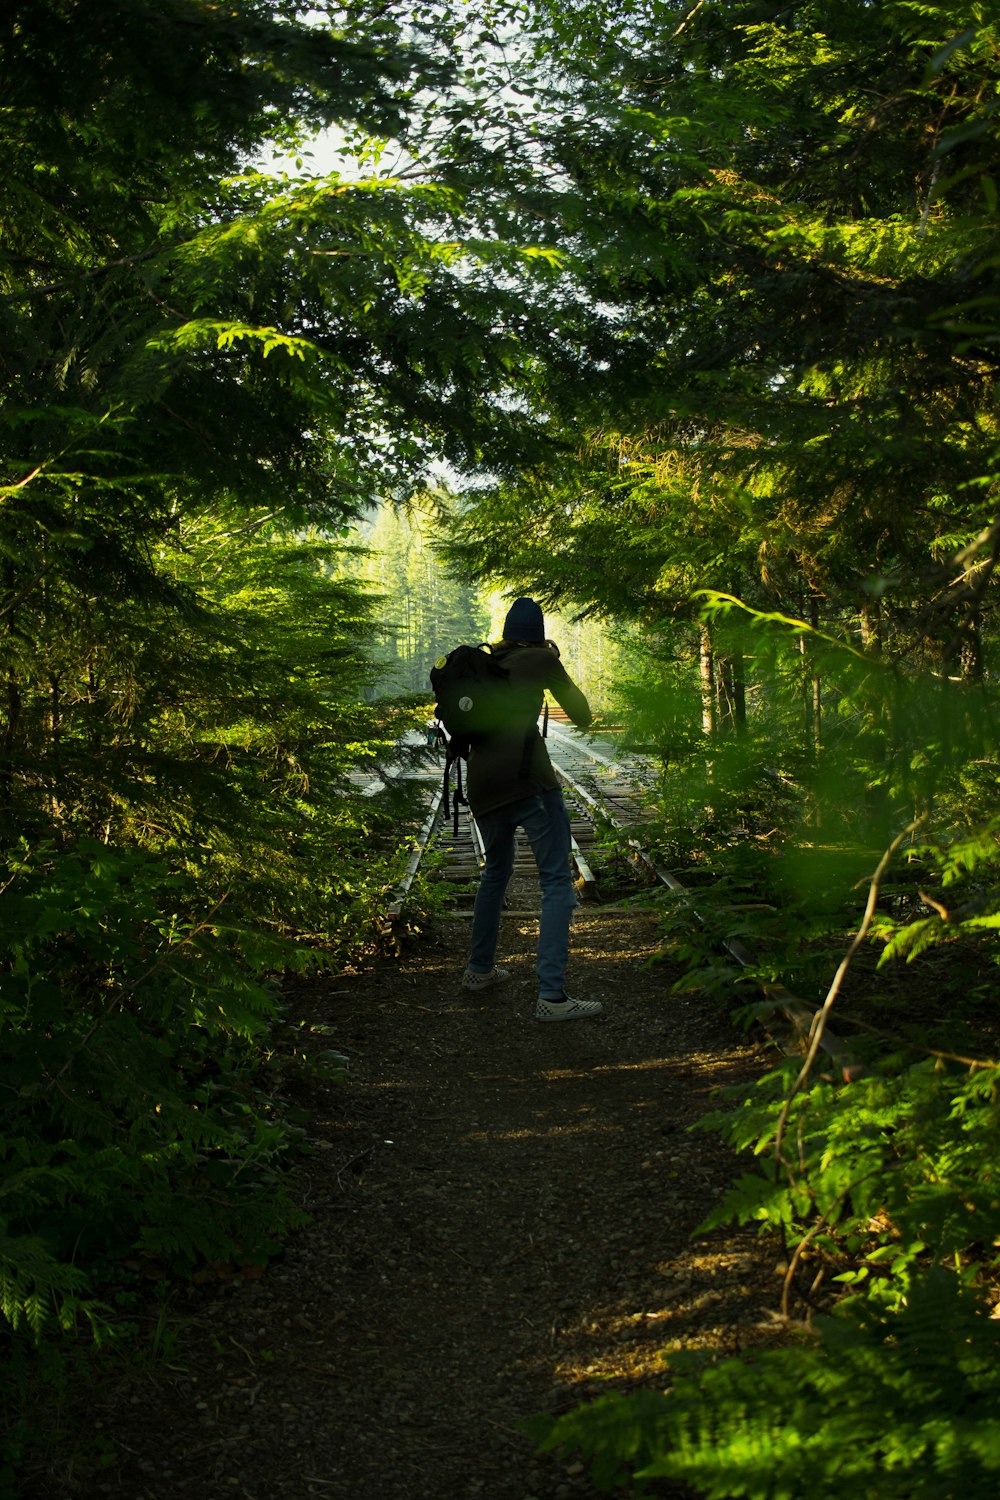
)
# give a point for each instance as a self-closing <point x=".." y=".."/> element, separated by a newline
<point x="501" y="1224"/>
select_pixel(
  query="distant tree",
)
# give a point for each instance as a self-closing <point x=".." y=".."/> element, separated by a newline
<point x="423" y="610"/>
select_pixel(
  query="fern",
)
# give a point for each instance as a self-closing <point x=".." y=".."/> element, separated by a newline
<point x="905" y="1407"/>
<point x="896" y="1167"/>
<point x="37" y="1288"/>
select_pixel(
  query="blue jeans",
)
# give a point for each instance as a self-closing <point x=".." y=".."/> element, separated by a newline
<point x="546" y="822"/>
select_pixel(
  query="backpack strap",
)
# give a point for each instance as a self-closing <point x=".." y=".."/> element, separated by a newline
<point x="457" y="797"/>
<point x="445" y="785"/>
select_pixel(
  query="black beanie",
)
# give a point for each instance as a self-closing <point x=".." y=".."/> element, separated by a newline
<point x="524" y="622"/>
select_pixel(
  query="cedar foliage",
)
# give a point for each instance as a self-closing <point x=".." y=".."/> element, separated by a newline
<point x="716" y="315"/>
<point x="207" y="375"/>
<point x="778" y="226"/>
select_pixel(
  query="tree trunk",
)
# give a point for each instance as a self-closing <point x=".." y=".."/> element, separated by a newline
<point x="871" y="627"/>
<point x="812" y="695"/>
<point x="732" y="695"/>
<point x="9" y="741"/>
<point x="53" y="724"/>
<point x="877" y="808"/>
<point x="739" y="694"/>
<point x="972" y="648"/>
<point x="706" y="668"/>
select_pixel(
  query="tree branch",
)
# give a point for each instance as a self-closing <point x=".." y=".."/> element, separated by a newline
<point x="823" y="1014"/>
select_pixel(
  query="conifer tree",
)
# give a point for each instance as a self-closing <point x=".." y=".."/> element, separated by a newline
<point x="206" y="375"/>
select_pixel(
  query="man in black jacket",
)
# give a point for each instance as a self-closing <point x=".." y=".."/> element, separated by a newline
<point x="511" y="785"/>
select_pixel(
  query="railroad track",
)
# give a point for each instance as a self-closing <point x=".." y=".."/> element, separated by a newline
<point x="594" y="782"/>
<point x="601" y="790"/>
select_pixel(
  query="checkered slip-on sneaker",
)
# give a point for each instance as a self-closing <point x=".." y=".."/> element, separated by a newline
<point x="473" y="981"/>
<point x="567" y="1009"/>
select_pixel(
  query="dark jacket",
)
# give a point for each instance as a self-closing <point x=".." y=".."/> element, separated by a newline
<point x="496" y="773"/>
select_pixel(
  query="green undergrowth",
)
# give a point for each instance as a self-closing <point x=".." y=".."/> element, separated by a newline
<point x="862" y="873"/>
<point x="894" y="1406"/>
<point x="883" y="1194"/>
<point x="154" y="1088"/>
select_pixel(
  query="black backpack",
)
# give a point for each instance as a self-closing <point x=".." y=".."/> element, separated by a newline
<point x="473" y="695"/>
<point x="474" y="698"/>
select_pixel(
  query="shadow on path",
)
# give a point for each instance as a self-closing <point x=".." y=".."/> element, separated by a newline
<point x="502" y="1215"/>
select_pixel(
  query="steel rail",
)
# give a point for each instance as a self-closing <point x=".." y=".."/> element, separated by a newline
<point x="585" y="877"/>
<point x="584" y="872"/>
<point x="803" y="1017"/>
<point x="402" y="889"/>
<point x="477" y="840"/>
<point x="556" y="728"/>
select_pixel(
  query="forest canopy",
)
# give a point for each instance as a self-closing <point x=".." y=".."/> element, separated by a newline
<point x="687" y="317"/>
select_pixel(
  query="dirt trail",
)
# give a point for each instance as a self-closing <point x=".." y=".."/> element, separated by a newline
<point x="501" y="1221"/>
